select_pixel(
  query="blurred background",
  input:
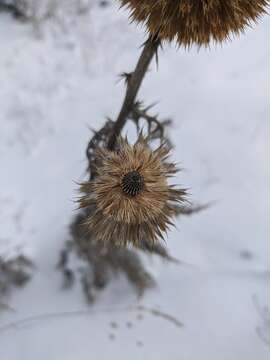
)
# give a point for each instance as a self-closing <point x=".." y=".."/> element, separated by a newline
<point x="59" y="70"/>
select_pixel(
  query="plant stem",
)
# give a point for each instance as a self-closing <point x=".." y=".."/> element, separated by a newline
<point x="133" y="85"/>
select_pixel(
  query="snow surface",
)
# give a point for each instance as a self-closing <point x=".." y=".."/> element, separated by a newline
<point x="58" y="77"/>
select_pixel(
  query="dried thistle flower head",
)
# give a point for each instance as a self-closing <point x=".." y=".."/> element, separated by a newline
<point x="130" y="198"/>
<point x="196" y="21"/>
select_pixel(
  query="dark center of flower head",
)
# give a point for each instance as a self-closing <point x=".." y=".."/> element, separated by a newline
<point x="132" y="183"/>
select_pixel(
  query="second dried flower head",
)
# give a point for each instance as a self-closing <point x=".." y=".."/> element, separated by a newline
<point x="196" y="21"/>
<point x="130" y="199"/>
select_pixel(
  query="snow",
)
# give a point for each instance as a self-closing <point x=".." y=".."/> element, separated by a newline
<point x="58" y="76"/>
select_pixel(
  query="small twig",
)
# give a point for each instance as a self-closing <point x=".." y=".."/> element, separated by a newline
<point x="162" y="315"/>
<point x="67" y="314"/>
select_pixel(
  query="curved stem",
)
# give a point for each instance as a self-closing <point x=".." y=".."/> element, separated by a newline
<point x="133" y="85"/>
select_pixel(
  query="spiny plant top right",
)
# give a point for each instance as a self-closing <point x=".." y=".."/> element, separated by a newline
<point x="196" y="21"/>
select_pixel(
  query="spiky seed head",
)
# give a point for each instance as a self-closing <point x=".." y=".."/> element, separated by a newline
<point x="130" y="199"/>
<point x="196" y="21"/>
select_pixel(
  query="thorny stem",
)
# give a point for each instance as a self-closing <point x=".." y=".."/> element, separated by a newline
<point x="133" y="85"/>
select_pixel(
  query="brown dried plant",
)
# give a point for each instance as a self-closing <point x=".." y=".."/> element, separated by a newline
<point x="196" y="21"/>
<point x="127" y="198"/>
<point x="131" y="195"/>
<point x="98" y="262"/>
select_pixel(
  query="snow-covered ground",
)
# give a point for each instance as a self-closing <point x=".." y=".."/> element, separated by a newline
<point x="59" y="77"/>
